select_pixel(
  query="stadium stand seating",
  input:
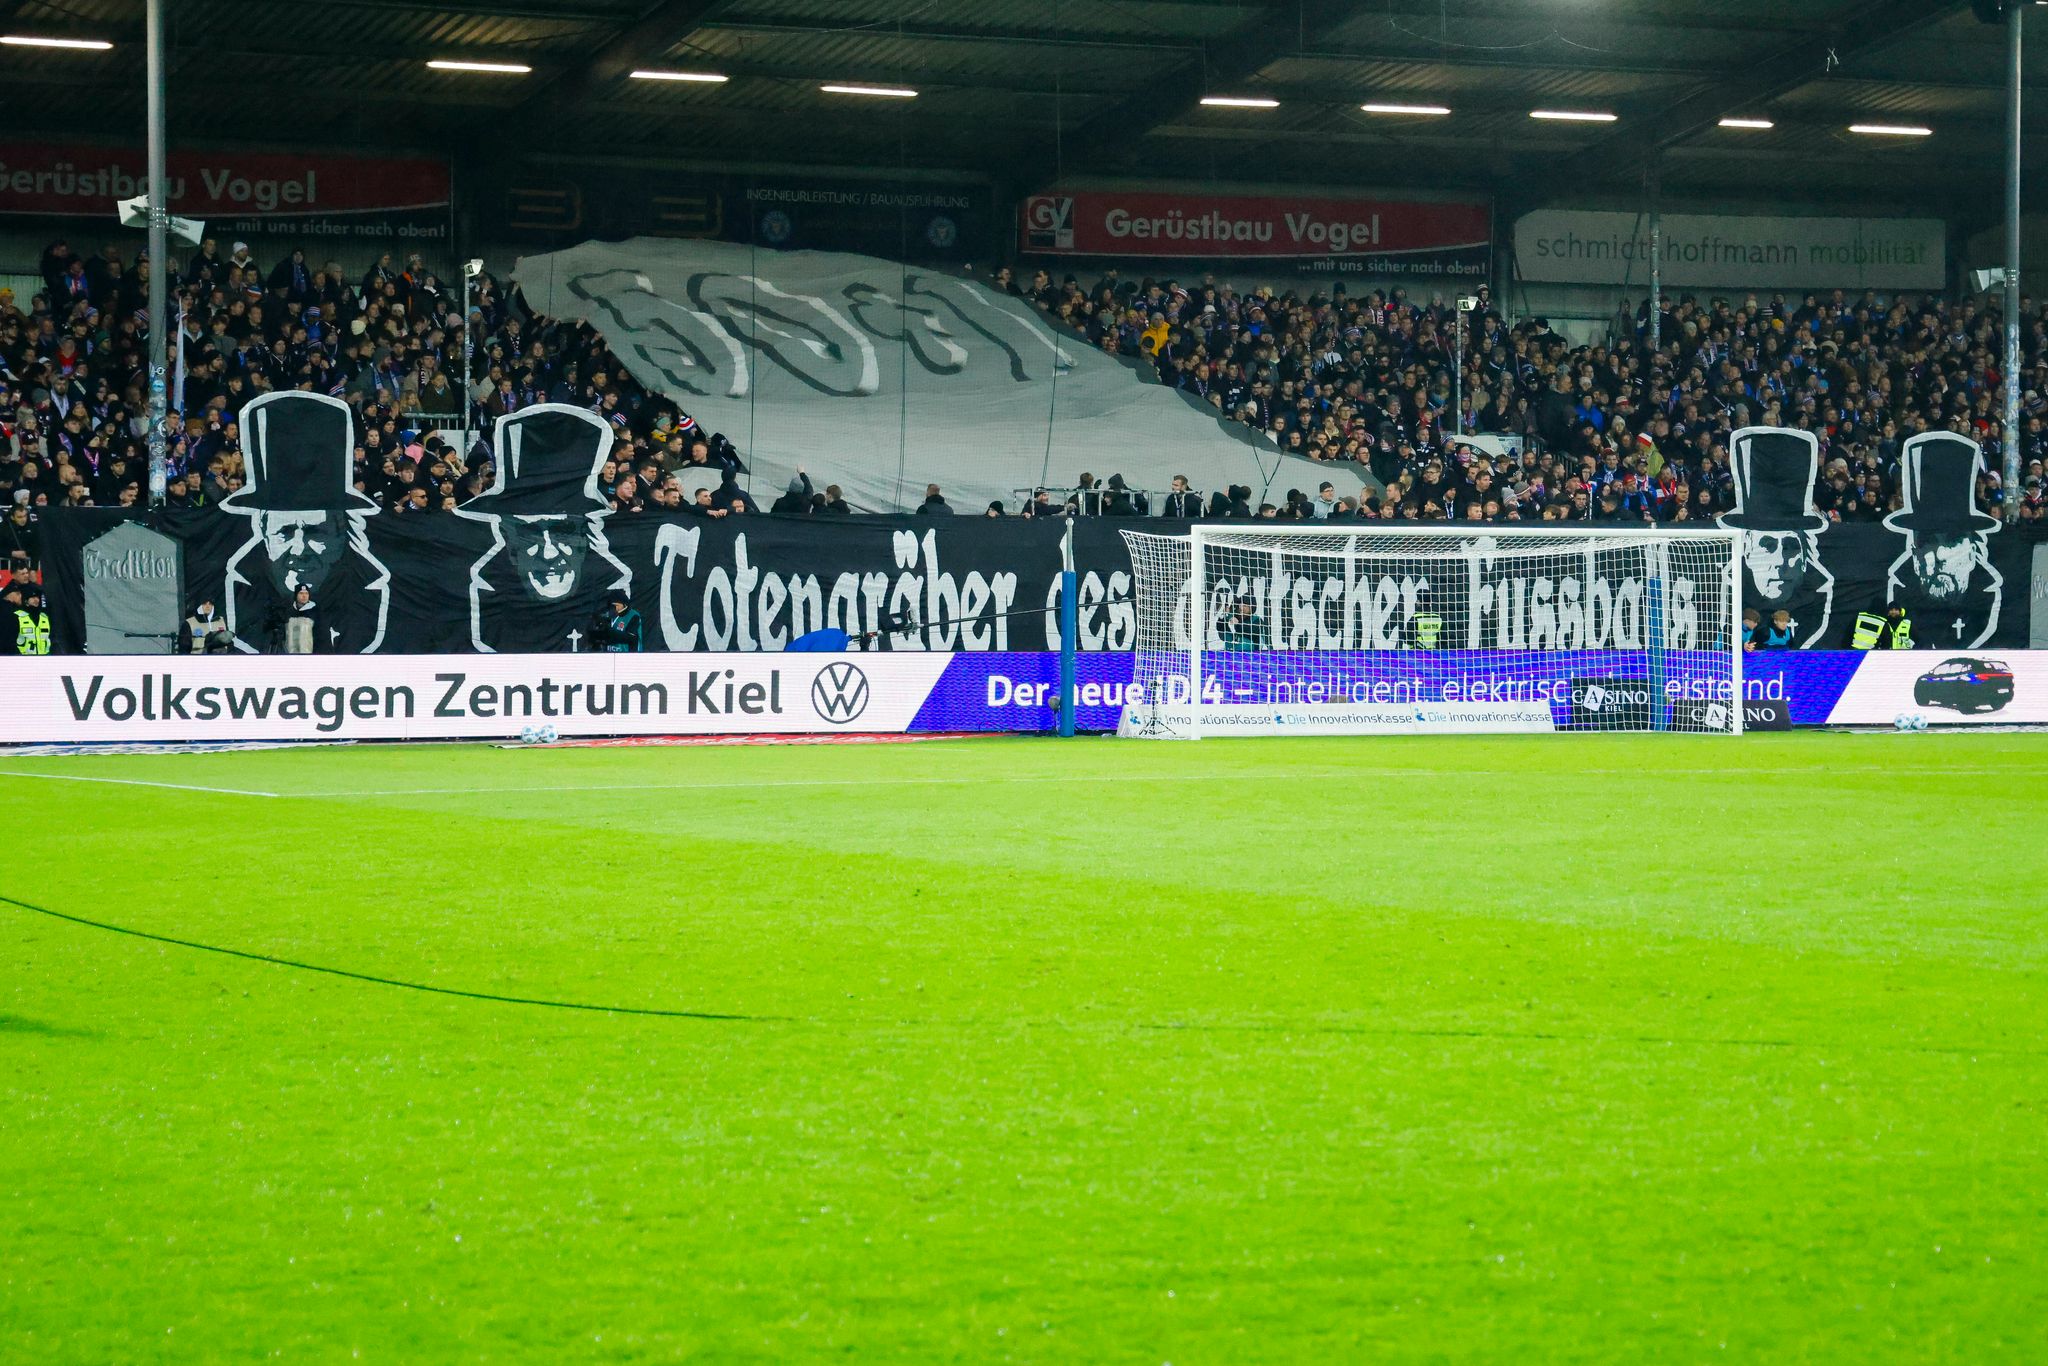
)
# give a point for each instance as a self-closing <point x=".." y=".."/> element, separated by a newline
<point x="1549" y="430"/>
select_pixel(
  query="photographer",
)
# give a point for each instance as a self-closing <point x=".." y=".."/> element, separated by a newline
<point x="302" y="624"/>
<point x="618" y="629"/>
<point x="206" y="631"/>
<point x="1241" y="627"/>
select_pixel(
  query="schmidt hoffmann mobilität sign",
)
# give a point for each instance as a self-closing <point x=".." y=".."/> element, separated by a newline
<point x="1734" y="251"/>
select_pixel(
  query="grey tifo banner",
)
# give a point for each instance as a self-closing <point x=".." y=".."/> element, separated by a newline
<point x="880" y="377"/>
<point x="2037" y="638"/>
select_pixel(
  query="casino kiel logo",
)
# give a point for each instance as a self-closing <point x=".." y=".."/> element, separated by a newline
<point x="840" y="693"/>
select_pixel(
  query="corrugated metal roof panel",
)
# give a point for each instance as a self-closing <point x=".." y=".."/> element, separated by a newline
<point x="353" y="70"/>
<point x="875" y="55"/>
<point x="1342" y="80"/>
<point x="1161" y="20"/>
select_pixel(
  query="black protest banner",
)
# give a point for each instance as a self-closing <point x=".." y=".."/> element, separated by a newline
<point x="506" y="574"/>
<point x="1960" y="589"/>
<point x="433" y="583"/>
<point x="1938" y="556"/>
<point x="527" y="565"/>
<point x="514" y="583"/>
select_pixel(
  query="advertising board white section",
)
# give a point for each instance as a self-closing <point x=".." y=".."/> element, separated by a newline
<point x="72" y="699"/>
<point x="1996" y="688"/>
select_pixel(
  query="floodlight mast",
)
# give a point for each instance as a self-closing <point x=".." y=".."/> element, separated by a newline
<point x="159" y="267"/>
<point x="1656" y="270"/>
<point x="471" y="269"/>
<point x="2014" y="66"/>
<point x="1450" y="439"/>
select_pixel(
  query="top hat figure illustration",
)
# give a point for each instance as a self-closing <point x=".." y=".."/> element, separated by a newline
<point x="1774" y="470"/>
<point x="1944" y="577"/>
<point x="307" y="523"/>
<point x="1938" y="478"/>
<point x="547" y="512"/>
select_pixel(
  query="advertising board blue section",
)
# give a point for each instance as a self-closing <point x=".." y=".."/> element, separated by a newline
<point x="1020" y="691"/>
<point x="1808" y="682"/>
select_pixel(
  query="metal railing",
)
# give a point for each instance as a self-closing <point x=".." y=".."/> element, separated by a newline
<point x="1092" y="501"/>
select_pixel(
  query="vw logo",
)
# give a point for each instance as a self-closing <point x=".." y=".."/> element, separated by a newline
<point x="840" y="692"/>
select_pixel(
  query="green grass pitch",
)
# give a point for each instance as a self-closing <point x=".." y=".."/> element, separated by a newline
<point x="1600" y="1048"/>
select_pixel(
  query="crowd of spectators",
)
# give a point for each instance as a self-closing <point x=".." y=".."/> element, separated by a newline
<point x="1616" y="430"/>
<point x="73" y="379"/>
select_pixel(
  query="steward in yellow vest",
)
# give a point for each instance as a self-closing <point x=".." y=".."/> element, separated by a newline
<point x="1892" y="631"/>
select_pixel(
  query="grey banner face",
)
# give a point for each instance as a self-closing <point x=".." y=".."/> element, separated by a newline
<point x="879" y="377"/>
<point x="2037" y="601"/>
<point x="132" y="580"/>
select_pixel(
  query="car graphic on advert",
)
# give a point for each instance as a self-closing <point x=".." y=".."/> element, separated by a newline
<point x="1965" y="684"/>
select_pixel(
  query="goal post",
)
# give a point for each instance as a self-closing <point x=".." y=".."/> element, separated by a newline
<point x="1362" y="628"/>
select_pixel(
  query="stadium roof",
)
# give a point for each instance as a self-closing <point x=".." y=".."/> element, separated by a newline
<point x="1028" y="90"/>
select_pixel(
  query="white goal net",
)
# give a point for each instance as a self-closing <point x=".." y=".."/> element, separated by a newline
<point x="1336" y="630"/>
